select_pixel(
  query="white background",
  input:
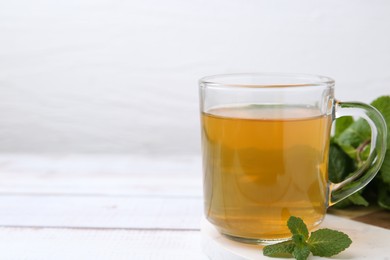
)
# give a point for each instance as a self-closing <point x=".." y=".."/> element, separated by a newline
<point x="112" y="76"/>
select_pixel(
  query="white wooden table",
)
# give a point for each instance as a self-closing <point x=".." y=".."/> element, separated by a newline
<point x="122" y="207"/>
<point x="100" y="207"/>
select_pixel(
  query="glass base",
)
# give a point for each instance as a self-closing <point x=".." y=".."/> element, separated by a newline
<point x="254" y="241"/>
<point x="277" y="238"/>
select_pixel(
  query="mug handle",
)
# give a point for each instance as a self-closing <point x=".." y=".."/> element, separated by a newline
<point x="367" y="171"/>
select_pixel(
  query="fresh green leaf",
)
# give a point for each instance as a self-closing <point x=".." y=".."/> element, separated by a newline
<point x="385" y="169"/>
<point x="327" y="242"/>
<point x="384" y="196"/>
<point x="354" y="199"/>
<point x="342" y="123"/>
<point x="283" y="249"/>
<point x="358" y="199"/>
<point x="301" y="252"/>
<point x="297" y="227"/>
<point x="383" y="188"/>
<point x="343" y="204"/>
<point x="383" y="105"/>
<point x="365" y="152"/>
<point x="340" y="164"/>
<point x="349" y="150"/>
<point x="355" y="134"/>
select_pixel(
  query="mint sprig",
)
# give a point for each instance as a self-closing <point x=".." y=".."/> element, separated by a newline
<point x="323" y="242"/>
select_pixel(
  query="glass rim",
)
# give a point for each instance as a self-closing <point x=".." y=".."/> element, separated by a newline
<point x="296" y="79"/>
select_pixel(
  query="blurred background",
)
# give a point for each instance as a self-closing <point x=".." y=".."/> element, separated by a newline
<point x="120" y="77"/>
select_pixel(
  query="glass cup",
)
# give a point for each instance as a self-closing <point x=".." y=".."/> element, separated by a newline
<point x="265" y="144"/>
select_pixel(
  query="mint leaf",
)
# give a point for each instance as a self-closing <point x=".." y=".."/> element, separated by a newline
<point x="297" y="227"/>
<point x="339" y="165"/>
<point x="358" y="199"/>
<point x="355" y="134"/>
<point x="327" y="242"/>
<point x="383" y="105"/>
<point x="342" y="123"/>
<point x="354" y="199"/>
<point x="365" y="152"/>
<point x="301" y="252"/>
<point x="349" y="150"/>
<point x="385" y="169"/>
<point x="384" y="196"/>
<point x="343" y="204"/>
<point x="383" y="177"/>
<point x="283" y="249"/>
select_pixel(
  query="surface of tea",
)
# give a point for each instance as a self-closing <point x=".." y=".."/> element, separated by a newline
<point x="263" y="164"/>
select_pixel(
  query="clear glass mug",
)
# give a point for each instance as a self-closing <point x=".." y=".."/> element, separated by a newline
<point x="265" y="146"/>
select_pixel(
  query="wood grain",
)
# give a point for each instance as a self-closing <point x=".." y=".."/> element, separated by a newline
<point x="372" y="215"/>
<point x="100" y="175"/>
<point x="120" y="212"/>
<point x="49" y="244"/>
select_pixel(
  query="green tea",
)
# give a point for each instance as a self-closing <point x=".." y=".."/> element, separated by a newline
<point x="263" y="164"/>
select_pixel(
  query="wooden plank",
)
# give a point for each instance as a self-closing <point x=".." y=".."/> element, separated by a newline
<point x="373" y="215"/>
<point x="380" y="218"/>
<point x="100" y="175"/>
<point x="101" y="212"/>
<point x="48" y="244"/>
